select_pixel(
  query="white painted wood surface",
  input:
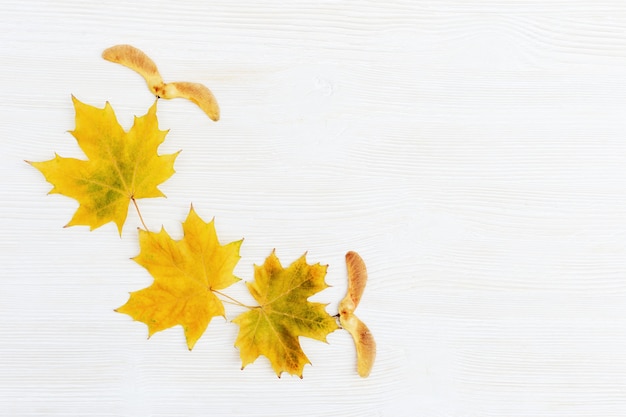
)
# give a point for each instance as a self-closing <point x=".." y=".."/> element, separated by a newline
<point x="473" y="152"/>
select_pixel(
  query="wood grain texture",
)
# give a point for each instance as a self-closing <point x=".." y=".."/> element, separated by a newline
<point x="472" y="152"/>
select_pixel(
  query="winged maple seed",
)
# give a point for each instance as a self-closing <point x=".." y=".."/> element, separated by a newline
<point x="121" y="166"/>
<point x="363" y="339"/>
<point x="135" y="59"/>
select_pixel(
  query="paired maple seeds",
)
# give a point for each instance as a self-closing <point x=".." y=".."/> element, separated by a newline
<point x="135" y="59"/>
<point x="363" y="339"/>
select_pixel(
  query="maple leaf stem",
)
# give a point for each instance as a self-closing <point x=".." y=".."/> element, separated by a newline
<point x="139" y="213"/>
<point x="234" y="301"/>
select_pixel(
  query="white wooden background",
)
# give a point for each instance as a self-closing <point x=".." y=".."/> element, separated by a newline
<point x="472" y="151"/>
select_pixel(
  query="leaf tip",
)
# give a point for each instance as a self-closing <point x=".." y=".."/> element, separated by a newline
<point x="109" y="108"/>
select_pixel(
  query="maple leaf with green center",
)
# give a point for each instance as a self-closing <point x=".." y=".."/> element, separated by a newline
<point x="121" y="166"/>
<point x="185" y="272"/>
<point x="284" y="314"/>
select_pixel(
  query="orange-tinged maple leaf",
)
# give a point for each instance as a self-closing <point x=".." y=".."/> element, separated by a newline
<point x="121" y="166"/>
<point x="284" y="314"/>
<point x="185" y="272"/>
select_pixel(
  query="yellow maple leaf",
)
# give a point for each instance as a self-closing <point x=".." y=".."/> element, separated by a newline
<point x="186" y="273"/>
<point x="121" y="166"/>
<point x="272" y="329"/>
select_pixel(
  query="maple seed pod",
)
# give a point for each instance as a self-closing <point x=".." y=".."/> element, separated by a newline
<point x="138" y="61"/>
<point x="363" y="338"/>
